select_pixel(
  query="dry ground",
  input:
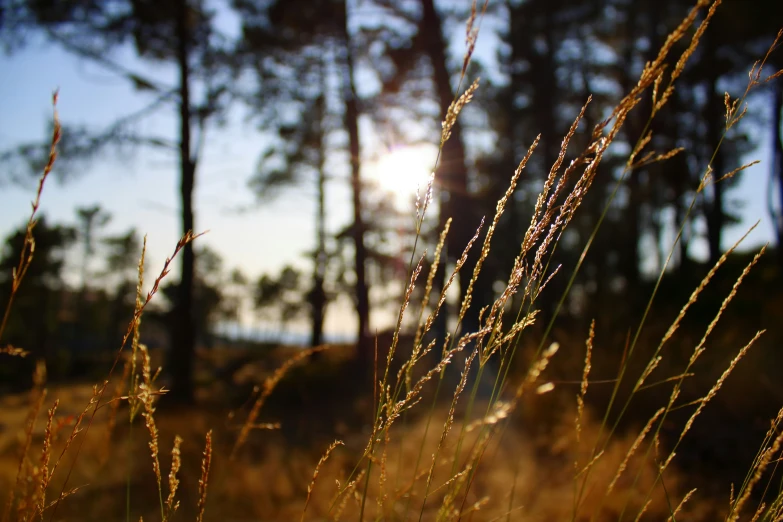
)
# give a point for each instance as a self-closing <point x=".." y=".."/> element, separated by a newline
<point x="527" y="474"/>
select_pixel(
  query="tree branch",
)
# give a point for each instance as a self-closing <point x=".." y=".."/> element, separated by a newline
<point x="139" y="82"/>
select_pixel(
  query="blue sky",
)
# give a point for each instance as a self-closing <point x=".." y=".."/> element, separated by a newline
<point x="139" y="188"/>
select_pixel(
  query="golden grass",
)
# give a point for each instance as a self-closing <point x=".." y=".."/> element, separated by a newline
<point x="28" y="248"/>
<point x="581" y="469"/>
<point x="203" y="482"/>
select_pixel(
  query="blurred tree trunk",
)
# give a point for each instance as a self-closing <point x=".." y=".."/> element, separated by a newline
<point x="183" y="351"/>
<point x="351" y="120"/>
<point x="546" y="89"/>
<point x="629" y="259"/>
<point x="595" y="199"/>
<point x="176" y="32"/>
<point x="535" y="39"/>
<point x="318" y="293"/>
<point x="452" y="174"/>
<point x="90" y="219"/>
<point x="777" y="164"/>
<point x="715" y="114"/>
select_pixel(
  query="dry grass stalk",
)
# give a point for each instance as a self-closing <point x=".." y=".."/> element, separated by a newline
<point x="640" y="145"/>
<point x="346" y="494"/>
<point x="776" y="513"/>
<point x="652" y="75"/>
<point x="450" y="481"/>
<point x="266" y="390"/>
<point x="99" y="391"/>
<point x="759" y="512"/>
<point x="700" y="347"/>
<point x="421" y="208"/>
<point x="730" y="108"/>
<point x="731" y="494"/>
<point x="448" y="511"/>
<point x="407" y="366"/>
<point x="494" y="319"/>
<point x="147" y="399"/>
<point x="580" y="398"/>
<point x="405" y="302"/>
<point x="46" y="453"/>
<point x="471" y="35"/>
<point x="759" y="467"/>
<point x="697" y="352"/>
<point x="449" y="422"/>
<point x="546" y="282"/>
<point x="546" y="206"/>
<point x="499" y="209"/>
<point x="13" y="351"/>
<point x="512" y="332"/>
<point x="322" y="460"/>
<point x="632" y="450"/>
<point x="713" y="391"/>
<point x="735" y="171"/>
<point x="71" y="437"/>
<point x="134" y="382"/>
<point x="25" y="258"/>
<point x="428" y="287"/>
<point x="754" y="80"/>
<point x="687" y="53"/>
<point x="38" y="396"/>
<point x="766" y="459"/>
<point x="590" y="464"/>
<point x="476" y="506"/>
<point x="129" y="374"/>
<point x="768" y="439"/>
<point x="454" y="110"/>
<point x="674" y="37"/>
<point x="139" y="296"/>
<point x="644" y="509"/>
<point x="382" y="478"/>
<point x="545" y="388"/>
<point x="460" y="262"/>
<point x="394" y="410"/>
<point x="176" y="462"/>
<point x="204" y="480"/>
<point x="545" y="196"/>
<point x="411" y="398"/>
<point x="499" y="410"/>
<point x="685" y="499"/>
<point x="651" y="157"/>
<point x="28" y="245"/>
<point x="64" y="495"/>
<point x="535" y="371"/>
<point x="656" y="358"/>
<point x="706" y="180"/>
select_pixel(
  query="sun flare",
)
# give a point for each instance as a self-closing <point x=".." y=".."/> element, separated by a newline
<point x="403" y="170"/>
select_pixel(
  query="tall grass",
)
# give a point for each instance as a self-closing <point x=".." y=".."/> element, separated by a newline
<point x="459" y="470"/>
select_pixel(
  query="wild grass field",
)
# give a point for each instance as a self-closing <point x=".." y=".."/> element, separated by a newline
<point x="493" y="424"/>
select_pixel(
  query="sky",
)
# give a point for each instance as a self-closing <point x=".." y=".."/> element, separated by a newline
<point x="139" y="188"/>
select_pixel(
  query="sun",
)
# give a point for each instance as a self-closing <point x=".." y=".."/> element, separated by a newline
<point x="403" y="170"/>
